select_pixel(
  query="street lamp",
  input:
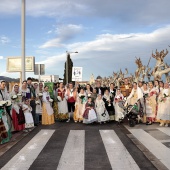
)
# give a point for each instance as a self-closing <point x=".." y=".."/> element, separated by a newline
<point x="67" y="54"/>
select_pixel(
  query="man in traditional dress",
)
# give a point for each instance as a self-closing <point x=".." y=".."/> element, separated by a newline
<point x="32" y="96"/>
<point x="5" y="117"/>
<point x="100" y="90"/>
<point x="126" y="88"/>
<point x="70" y="95"/>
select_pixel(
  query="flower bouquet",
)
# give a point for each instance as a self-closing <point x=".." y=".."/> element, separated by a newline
<point x="164" y="97"/>
<point x="59" y="99"/>
<point x="152" y="93"/>
<point x="82" y="96"/>
<point x="14" y="97"/>
<point x="37" y="102"/>
<point x="50" y="100"/>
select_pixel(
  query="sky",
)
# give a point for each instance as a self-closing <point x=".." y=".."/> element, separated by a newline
<point x="108" y="34"/>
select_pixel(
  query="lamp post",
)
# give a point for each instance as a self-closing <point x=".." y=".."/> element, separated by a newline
<point x="67" y="54"/>
<point x="23" y="41"/>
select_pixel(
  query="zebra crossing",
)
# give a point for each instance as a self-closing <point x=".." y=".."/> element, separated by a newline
<point x="76" y="149"/>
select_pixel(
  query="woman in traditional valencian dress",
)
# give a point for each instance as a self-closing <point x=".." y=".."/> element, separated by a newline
<point x="5" y="116"/>
<point x="47" y="110"/>
<point x="24" y="90"/>
<point x="89" y="90"/>
<point x="62" y="103"/>
<point x="151" y="104"/>
<point x="89" y="115"/>
<point x="80" y="106"/>
<point x="108" y="100"/>
<point x="163" y="113"/>
<point x="101" y="111"/>
<point x="18" y="118"/>
<point x="118" y="111"/>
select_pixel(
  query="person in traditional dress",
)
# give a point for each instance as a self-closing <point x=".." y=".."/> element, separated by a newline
<point x="89" y="115"/>
<point x="5" y="117"/>
<point x="126" y="88"/>
<point x="62" y="103"/>
<point x="31" y="95"/>
<point x="108" y="100"/>
<point x="163" y="114"/>
<point x="70" y="95"/>
<point x="41" y="89"/>
<point x="112" y="90"/>
<point x="151" y="104"/>
<point x="89" y="90"/>
<point x="94" y="95"/>
<point x="29" y="122"/>
<point x="39" y="103"/>
<point x="99" y="89"/>
<point x="161" y="85"/>
<point x="80" y="106"/>
<point x="47" y="110"/>
<point x="119" y="112"/>
<point x="23" y="89"/>
<point x="135" y="95"/>
<point x="156" y="86"/>
<point x="102" y="114"/>
<point x="18" y="118"/>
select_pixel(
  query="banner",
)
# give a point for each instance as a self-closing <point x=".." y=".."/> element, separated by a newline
<point x="77" y="73"/>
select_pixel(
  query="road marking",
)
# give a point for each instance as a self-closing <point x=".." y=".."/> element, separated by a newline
<point x="73" y="156"/>
<point x="118" y="155"/>
<point x="153" y="145"/>
<point x="165" y="130"/>
<point x="26" y="156"/>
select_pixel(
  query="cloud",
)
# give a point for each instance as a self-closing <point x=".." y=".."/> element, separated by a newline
<point x="112" y="52"/>
<point x="1" y="57"/>
<point x="131" y="11"/>
<point x="64" y="33"/>
<point x="4" y="40"/>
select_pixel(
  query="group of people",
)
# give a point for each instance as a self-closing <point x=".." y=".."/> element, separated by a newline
<point x="30" y="104"/>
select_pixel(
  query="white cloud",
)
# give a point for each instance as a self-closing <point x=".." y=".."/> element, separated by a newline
<point x="131" y="11"/>
<point x="1" y="57"/>
<point x="4" y="40"/>
<point x="110" y="52"/>
<point x="64" y="33"/>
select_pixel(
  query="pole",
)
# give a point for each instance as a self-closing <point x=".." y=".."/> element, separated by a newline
<point x="67" y="68"/>
<point x="23" y="40"/>
<point x="39" y="72"/>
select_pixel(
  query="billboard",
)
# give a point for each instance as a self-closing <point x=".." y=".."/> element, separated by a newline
<point x="77" y="73"/>
<point x="14" y="64"/>
<point x="49" y="78"/>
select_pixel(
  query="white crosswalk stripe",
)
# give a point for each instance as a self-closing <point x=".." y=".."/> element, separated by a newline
<point x="26" y="156"/>
<point x="73" y="154"/>
<point x="153" y="145"/>
<point x="118" y="155"/>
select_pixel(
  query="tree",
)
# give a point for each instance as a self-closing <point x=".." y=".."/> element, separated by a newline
<point x="70" y="65"/>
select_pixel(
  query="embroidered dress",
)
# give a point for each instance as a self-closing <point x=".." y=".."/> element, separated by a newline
<point x="89" y="114"/>
<point x="47" y="110"/>
<point x="101" y="111"/>
<point x="164" y="105"/>
<point x="80" y="107"/>
<point x="62" y="105"/>
<point x="119" y="112"/>
<point x="151" y="105"/>
<point x="29" y="122"/>
<point x="109" y="105"/>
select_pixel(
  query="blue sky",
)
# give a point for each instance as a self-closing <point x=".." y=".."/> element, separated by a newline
<point x="107" y="34"/>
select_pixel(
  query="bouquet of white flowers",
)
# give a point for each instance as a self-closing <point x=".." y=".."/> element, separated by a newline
<point x="14" y="97"/>
<point x="51" y="100"/>
<point x="58" y="98"/>
<point x="37" y="102"/>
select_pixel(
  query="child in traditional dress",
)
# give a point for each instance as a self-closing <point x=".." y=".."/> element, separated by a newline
<point x="89" y="114"/>
<point x="118" y="110"/>
<point x="29" y="122"/>
<point x="101" y="111"/>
